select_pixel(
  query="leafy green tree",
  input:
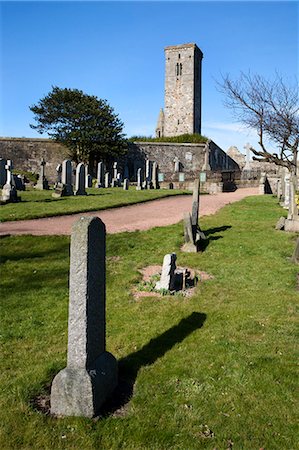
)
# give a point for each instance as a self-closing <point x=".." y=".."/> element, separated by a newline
<point x="85" y="124"/>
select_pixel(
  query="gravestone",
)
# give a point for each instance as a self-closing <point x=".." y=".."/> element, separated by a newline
<point x="114" y="182"/>
<point x="9" y="192"/>
<point x="107" y="180"/>
<point x="42" y="183"/>
<point x="3" y="163"/>
<point x="91" y="373"/>
<point x="139" y="180"/>
<point x="119" y="179"/>
<point x="19" y="182"/>
<point x="80" y="180"/>
<point x="59" y="172"/>
<point x="88" y="180"/>
<point x="148" y="175"/>
<point x="168" y="273"/>
<point x="126" y="184"/>
<point x="66" y="177"/>
<point x="155" y="175"/>
<point x="176" y="164"/>
<point x="100" y="175"/>
<point x="114" y="175"/>
<point x="287" y="190"/>
<point x="192" y="232"/>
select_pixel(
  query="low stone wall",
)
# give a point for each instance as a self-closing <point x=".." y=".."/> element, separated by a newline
<point x="27" y="153"/>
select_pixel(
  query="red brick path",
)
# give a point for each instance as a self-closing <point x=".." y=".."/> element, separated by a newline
<point x="142" y="216"/>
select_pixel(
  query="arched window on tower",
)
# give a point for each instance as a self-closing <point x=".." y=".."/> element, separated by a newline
<point x="177" y="69"/>
<point x="181" y="68"/>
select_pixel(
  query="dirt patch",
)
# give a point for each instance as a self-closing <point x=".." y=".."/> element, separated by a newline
<point x="152" y="273"/>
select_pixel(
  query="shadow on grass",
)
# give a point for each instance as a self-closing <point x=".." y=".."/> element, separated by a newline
<point x="147" y="355"/>
<point x="203" y="244"/>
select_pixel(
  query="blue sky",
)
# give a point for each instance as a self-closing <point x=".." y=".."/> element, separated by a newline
<point x="115" y="50"/>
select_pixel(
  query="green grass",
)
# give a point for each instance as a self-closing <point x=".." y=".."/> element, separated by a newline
<point x="182" y="138"/>
<point x="36" y="204"/>
<point x="218" y="370"/>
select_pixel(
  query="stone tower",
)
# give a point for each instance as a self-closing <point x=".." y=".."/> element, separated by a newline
<point x="182" y="113"/>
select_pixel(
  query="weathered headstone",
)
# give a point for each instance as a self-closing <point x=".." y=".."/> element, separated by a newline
<point x="59" y="172"/>
<point x="42" y="183"/>
<point x="107" y="180"/>
<point x="100" y="175"/>
<point x="19" y="182"/>
<point x="88" y="180"/>
<point x="119" y="179"/>
<point x="139" y="180"/>
<point x="155" y="175"/>
<point x="114" y="182"/>
<point x="66" y="177"/>
<point x="176" y="164"/>
<point x="192" y="232"/>
<point x="91" y="373"/>
<point x="126" y="184"/>
<point x="114" y="170"/>
<point x="9" y="192"/>
<point x="80" y="180"/>
<point x="3" y="163"/>
<point x="287" y="190"/>
<point x="168" y="272"/>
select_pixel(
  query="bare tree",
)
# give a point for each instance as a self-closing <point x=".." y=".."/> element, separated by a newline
<point x="272" y="109"/>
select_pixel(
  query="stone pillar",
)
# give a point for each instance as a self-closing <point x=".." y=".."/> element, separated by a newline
<point x="80" y="180"/>
<point x="126" y="184"/>
<point x="100" y="175"/>
<point x="139" y="180"/>
<point x="91" y="373"/>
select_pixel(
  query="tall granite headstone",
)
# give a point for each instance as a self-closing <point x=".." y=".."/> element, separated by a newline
<point x="100" y="175"/>
<point x="66" y="177"/>
<point x="139" y="179"/>
<point x="91" y="373"/>
<point x="80" y="180"/>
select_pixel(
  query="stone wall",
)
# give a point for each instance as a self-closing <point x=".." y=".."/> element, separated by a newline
<point x="192" y="159"/>
<point x="26" y="154"/>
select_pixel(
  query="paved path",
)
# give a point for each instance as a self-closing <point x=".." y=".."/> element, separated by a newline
<point x="143" y="216"/>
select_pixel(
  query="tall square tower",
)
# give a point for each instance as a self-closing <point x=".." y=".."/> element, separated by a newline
<point x="182" y="112"/>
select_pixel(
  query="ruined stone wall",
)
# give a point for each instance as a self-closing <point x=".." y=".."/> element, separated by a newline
<point x="192" y="159"/>
<point x="26" y="154"/>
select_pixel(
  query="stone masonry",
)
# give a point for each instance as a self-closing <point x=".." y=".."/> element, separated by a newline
<point x="182" y="112"/>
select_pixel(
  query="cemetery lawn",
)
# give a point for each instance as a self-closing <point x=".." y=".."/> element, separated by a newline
<point x="36" y="204"/>
<point x="218" y="370"/>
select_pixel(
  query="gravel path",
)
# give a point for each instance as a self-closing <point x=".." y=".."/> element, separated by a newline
<point x="143" y="216"/>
